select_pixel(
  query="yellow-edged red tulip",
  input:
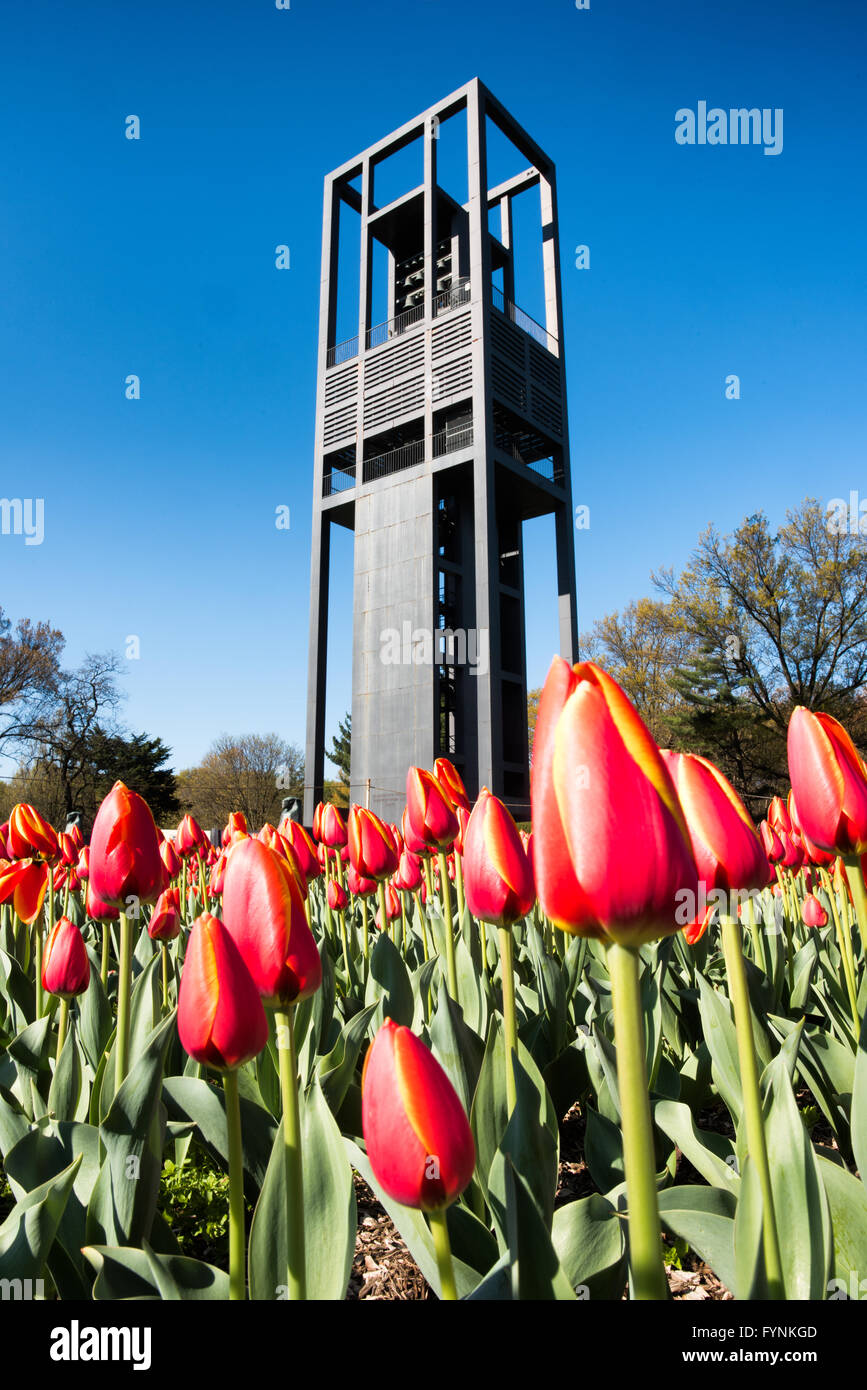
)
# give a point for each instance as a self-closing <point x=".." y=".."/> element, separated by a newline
<point x="726" y="847"/>
<point x="415" y="1128"/>
<point x="24" y="882"/>
<point x="304" y="849"/>
<point x="332" y="827"/>
<point x="829" y="783"/>
<point x="372" y="849"/>
<point x="221" y="1021"/>
<point x="263" y="909"/>
<point x="498" y="880"/>
<point x="29" y="834"/>
<point x="452" y="783"/>
<point x="611" y="848"/>
<point x="165" y="921"/>
<point x="124" y="850"/>
<point x="430" y="816"/>
<point x="65" y="962"/>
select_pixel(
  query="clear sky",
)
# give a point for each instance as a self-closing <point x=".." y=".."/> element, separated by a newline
<point x="156" y="257"/>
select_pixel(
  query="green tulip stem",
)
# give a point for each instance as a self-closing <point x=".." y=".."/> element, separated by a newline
<point x="859" y="897"/>
<point x="106" y="941"/>
<point x="508" y="971"/>
<point x="646" y="1267"/>
<point x="428" y="878"/>
<point x="237" y="1273"/>
<point x="341" y="917"/>
<point x="459" y="884"/>
<point x="755" y="933"/>
<point x="184" y="904"/>
<point x="844" y="943"/>
<point x="380" y="892"/>
<point x="164" y="951"/>
<point x="62" y="1020"/>
<point x="364" y="929"/>
<point x="442" y="1246"/>
<point x="124" y="972"/>
<point x="297" y="1280"/>
<point x="450" y="934"/>
<point x="752" y="1098"/>
<point x="37" y="961"/>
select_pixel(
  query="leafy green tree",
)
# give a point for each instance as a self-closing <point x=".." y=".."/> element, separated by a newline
<point x="340" y="752"/>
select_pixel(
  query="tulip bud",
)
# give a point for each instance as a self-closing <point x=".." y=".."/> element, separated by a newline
<point x="332" y="828"/>
<point x="25" y="882"/>
<point x="30" y="834"/>
<point x="611" y="851"/>
<point x="337" y="899"/>
<point x="430" y="816"/>
<point x="392" y="908"/>
<point x="165" y="922"/>
<point x="498" y="881"/>
<point x="450" y="780"/>
<point x="358" y="886"/>
<point x="190" y="838"/>
<point x="829" y="783"/>
<point x="727" y="850"/>
<point x="221" y="1021"/>
<point x="65" y="962"/>
<point x="124" y="850"/>
<point x="814" y="913"/>
<point x="409" y="875"/>
<point x="418" y="1138"/>
<point x="303" y="848"/>
<point x="263" y="909"/>
<point x="372" y="849"/>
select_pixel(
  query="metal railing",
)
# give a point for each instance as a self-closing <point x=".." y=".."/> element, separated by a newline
<point x="338" y="480"/>
<point x="546" y="467"/>
<point x="523" y="320"/>
<point x="408" y="455"/>
<point x="392" y="328"/>
<point x="452" y="298"/>
<point x="342" y="352"/>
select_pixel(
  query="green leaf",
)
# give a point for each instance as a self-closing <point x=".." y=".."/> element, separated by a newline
<point x="847" y="1200"/>
<point x="28" y="1232"/>
<point x="589" y="1238"/>
<point x="125" y="1273"/>
<point x="124" y="1198"/>
<point x="192" y="1098"/>
<point x="65" y="1090"/>
<point x="800" y="1204"/>
<point x="704" y="1218"/>
<point x="532" y="1151"/>
<point x="388" y="984"/>
<point x="722" y="1043"/>
<point x="859" y="1103"/>
<point x="470" y="994"/>
<point x="489" y="1114"/>
<point x="30" y="1052"/>
<point x="708" y="1152"/>
<point x="329" y="1211"/>
<point x="749" y="1263"/>
<point x="457" y="1047"/>
<point x="336" y="1070"/>
<point x="95" y="1021"/>
<point x="603" y="1150"/>
<point x="536" y="1270"/>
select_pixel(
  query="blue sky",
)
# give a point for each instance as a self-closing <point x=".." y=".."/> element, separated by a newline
<point x="156" y="257"/>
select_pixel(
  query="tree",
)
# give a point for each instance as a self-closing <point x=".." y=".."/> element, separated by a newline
<point x="340" y="752"/>
<point x="139" y="762"/>
<point x="240" y="774"/>
<point x="533" y="698"/>
<point x="640" y="647"/>
<point x="29" y="670"/>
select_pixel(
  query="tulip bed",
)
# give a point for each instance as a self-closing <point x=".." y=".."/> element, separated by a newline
<point x="420" y="1006"/>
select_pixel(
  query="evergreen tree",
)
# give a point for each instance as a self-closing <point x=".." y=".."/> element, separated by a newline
<point x="340" y="752"/>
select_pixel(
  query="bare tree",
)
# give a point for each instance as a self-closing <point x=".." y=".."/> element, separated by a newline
<point x="240" y="774"/>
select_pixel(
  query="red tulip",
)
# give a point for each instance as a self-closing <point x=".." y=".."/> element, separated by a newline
<point x="778" y="815"/>
<point x="337" y="899"/>
<point x="793" y="852"/>
<point x="332" y="828"/>
<point x="372" y="849"/>
<point x="68" y="848"/>
<point x="814" y="913"/>
<point x="450" y="780"/>
<point x="165" y="921"/>
<point x="430" y="816"/>
<point x="263" y="909"/>
<point x="25" y="882"/>
<point x="124" y="850"/>
<point x="170" y="857"/>
<point x="97" y="909"/>
<point x="498" y="880"/>
<point x="30" y="834"/>
<point x="65" y="962"/>
<point x="727" y="850"/>
<point x="392" y="908"/>
<point x="410" y="839"/>
<point x="357" y="885"/>
<point x="82" y="868"/>
<point x="190" y="838"/>
<point x="463" y="821"/>
<point x="221" y="1021"/>
<point x="611" y="849"/>
<point x="773" y="845"/>
<point x="304" y="849"/>
<point x="829" y="783"/>
<point x="77" y="837"/>
<point x="418" y="1138"/>
<point x="408" y="877"/>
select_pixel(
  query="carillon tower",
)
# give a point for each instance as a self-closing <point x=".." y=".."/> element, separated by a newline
<point x="440" y="427"/>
